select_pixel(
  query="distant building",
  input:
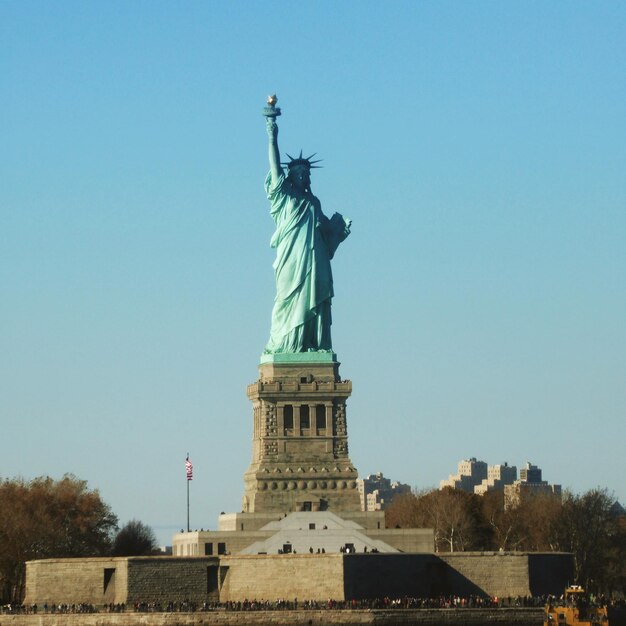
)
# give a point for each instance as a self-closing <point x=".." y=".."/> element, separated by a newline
<point x="530" y="474"/>
<point x="530" y="483"/>
<point x="475" y="476"/>
<point x="376" y="491"/>
<point x="498" y="476"/>
<point x="470" y="474"/>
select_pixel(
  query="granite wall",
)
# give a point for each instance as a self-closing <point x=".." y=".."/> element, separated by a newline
<point x="425" y="617"/>
<point x="282" y="576"/>
<point x="120" y="580"/>
<point x="505" y="574"/>
<point x="304" y="576"/>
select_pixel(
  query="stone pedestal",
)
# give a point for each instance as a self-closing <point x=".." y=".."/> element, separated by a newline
<point x="300" y="456"/>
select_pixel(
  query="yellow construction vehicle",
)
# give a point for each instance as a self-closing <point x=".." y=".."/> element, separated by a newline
<point x="575" y="609"/>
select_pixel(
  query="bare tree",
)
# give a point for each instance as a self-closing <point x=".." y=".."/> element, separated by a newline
<point x="504" y="524"/>
<point x="134" y="539"/>
<point x="592" y="532"/>
<point x="404" y="511"/>
<point x="453" y="522"/>
<point x="455" y="517"/>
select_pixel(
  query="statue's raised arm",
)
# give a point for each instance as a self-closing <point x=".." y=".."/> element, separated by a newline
<point x="271" y="112"/>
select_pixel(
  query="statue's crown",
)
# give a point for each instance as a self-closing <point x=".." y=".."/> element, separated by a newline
<point x="305" y="161"/>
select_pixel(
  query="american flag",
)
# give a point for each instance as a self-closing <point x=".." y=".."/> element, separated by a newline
<point x="189" y="468"/>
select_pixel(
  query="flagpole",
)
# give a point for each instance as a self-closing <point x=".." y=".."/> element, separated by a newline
<point x="189" y="474"/>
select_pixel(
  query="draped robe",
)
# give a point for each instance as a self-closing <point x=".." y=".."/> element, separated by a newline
<point x="305" y="241"/>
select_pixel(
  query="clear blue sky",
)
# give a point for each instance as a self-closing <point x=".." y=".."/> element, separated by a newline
<point x="480" y="309"/>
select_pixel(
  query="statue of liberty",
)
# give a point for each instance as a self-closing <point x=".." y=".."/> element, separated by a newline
<point x="305" y="241"/>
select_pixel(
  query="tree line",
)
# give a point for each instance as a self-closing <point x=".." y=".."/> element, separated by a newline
<point x="591" y="526"/>
<point x="46" y="518"/>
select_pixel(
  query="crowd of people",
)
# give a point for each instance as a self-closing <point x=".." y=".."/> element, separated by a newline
<point x="406" y="602"/>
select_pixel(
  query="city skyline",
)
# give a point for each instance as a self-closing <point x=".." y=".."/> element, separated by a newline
<point x="479" y="150"/>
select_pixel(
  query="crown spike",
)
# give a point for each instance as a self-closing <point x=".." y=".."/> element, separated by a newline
<point x="302" y="161"/>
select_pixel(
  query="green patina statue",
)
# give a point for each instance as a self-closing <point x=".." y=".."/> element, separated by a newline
<point x="305" y="242"/>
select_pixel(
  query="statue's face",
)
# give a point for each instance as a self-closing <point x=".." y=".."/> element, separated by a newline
<point x="300" y="176"/>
